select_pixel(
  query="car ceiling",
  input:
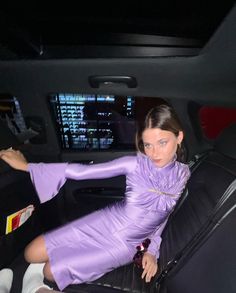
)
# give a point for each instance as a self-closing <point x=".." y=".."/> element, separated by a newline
<point x="154" y="28"/>
<point x="194" y="58"/>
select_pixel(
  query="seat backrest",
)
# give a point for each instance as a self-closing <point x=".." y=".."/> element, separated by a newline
<point x="208" y="203"/>
<point x="210" y="264"/>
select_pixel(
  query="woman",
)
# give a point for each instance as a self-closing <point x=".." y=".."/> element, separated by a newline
<point x="89" y="247"/>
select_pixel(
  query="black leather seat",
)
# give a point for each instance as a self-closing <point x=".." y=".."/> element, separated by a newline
<point x="197" y="253"/>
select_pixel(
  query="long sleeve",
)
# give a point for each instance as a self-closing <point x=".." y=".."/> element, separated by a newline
<point x="49" y="178"/>
<point x="182" y="175"/>
<point x="120" y="166"/>
<point x="154" y="247"/>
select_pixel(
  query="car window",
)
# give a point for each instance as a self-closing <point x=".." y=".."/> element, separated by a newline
<point x="98" y="122"/>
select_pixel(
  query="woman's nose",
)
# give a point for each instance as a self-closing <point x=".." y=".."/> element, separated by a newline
<point x="155" y="152"/>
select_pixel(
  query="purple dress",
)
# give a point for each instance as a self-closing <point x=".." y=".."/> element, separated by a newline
<point x="87" y="248"/>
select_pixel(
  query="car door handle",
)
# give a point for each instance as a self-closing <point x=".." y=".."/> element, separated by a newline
<point x="98" y="80"/>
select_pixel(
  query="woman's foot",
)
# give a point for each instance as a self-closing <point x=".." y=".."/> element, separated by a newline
<point x="33" y="278"/>
<point x="6" y="277"/>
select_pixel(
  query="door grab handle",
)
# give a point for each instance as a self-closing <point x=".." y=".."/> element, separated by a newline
<point x="97" y="80"/>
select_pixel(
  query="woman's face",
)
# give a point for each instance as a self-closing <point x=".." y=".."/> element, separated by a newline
<point x="160" y="145"/>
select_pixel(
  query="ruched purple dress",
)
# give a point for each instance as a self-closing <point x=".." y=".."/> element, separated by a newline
<point x="87" y="248"/>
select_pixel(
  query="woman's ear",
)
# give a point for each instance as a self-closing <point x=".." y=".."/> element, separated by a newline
<point x="180" y="137"/>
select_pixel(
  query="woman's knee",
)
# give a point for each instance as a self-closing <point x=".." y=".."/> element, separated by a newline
<point x="47" y="272"/>
<point x="36" y="251"/>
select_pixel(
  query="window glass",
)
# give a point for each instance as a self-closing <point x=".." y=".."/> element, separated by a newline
<point x="98" y="122"/>
<point x="214" y="119"/>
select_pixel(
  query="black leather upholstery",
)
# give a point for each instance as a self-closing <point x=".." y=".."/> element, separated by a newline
<point x="16" y="192"/>
<point x="226" y="142"/>
<point x="7" y="139"/>
<point x="203" y="264"/>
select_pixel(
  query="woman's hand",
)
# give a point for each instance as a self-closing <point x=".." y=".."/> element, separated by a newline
<point x="15" y="159"/>
<point x="150" y="266"/>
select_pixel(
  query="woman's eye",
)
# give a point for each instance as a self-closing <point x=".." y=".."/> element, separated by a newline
<point x="163" y="142"/>
<point x="147" y="145"/>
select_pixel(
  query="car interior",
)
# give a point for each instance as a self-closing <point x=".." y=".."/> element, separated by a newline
<point x="76" y="83"/>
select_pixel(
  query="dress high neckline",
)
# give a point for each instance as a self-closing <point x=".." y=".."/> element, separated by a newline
<point x="167" y="167"/>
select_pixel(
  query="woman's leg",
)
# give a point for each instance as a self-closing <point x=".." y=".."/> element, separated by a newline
<point x="36" y="252"/>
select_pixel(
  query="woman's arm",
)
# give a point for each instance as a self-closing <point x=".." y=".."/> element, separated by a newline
<point x="149" y="261"/>
<point x="116" y="167"/>
<point x="154" y="246"/>
<point x="49" y="178"/>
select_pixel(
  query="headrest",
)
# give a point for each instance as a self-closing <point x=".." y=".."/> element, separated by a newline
<point x="226" y="142"/>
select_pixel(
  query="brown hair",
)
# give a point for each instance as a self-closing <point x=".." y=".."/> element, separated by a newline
<point x="165" y="118"/>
